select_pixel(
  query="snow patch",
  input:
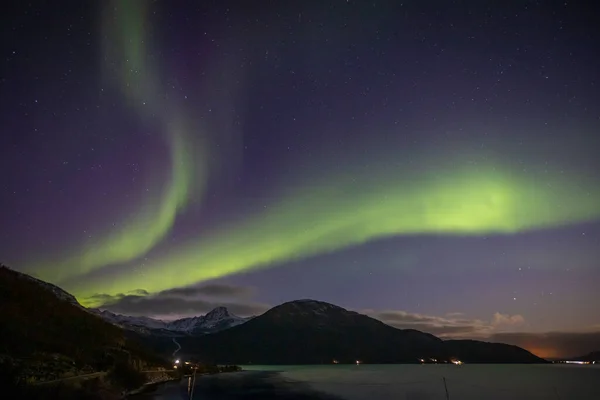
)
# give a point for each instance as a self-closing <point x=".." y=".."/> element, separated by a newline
<point x="216" y="320"/>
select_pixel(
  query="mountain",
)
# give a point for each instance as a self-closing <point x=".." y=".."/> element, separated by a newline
<point x="141" y="325"/>
<point x="55" y="290"/>
<point x="474" y="351"/>
<point x="219" y="319"/>
<point x="315" y="332"/>
<point x="216" y="320"/>
<point x="593" y="356"/>
<point x="48" y="333"/>
<point x="126" y="321"/>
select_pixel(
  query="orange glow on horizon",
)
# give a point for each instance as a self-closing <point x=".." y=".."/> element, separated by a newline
<point x="543" y="352"/>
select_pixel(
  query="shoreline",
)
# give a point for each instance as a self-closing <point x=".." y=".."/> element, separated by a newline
<point x="152" y="388"/>
<point x="149" y="387"/>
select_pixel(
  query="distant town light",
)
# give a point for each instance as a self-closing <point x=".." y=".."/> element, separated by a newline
<point x="176" y="361"/>
<point x="357" y="362"/>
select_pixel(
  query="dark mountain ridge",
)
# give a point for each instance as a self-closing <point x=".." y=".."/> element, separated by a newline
<point x="315" y="332"/>
<point x="475" y="351"/>
<point x="49" y="334"/>
<point x="590" y="357"/>
<point x="47" y="322"/>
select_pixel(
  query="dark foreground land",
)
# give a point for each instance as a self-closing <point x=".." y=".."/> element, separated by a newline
<point x="245" y="385"/>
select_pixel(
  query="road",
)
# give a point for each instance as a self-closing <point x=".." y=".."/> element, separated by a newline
<point x="178" y="347"/>
<point x="86" y="376"/>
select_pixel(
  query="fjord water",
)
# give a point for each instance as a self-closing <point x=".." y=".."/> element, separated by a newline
<point x="465" y="382"/>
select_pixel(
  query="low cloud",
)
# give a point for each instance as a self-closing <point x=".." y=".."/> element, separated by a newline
<point x="500" y="328"/>
<point x="165" y="306"/>
<point x="198" y="300"/>
<point x="454" y="314"/>
<point x="180" y="302"/>
<point x="139" y="292"/>
<point x="453" y="325"/>
<point x="99" y="299"/>
<point x="507" y="320"/>
<point x="216" y="290"/>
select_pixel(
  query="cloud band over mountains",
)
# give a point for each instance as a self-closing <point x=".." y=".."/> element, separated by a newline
<point x="180" y="302"/>
<point x="200" y="299"/>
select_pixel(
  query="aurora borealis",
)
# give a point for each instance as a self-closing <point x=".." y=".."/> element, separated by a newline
<point x="303" y="152"/>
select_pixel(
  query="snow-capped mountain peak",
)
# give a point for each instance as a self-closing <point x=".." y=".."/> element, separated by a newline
<point x="127" y="321"/>
<point x="218" y="314"/>
<point x="185" y="324"/>
<point x="216" y="320"/>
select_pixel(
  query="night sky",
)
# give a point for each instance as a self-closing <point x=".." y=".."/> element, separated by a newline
<point x="433" y="164"/>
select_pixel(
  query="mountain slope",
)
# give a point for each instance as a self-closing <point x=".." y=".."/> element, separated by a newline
<point x="593" y="356"/>
<point x="55" y="290"/>
<point x="126" y="321"/>
<point x="48" y="327"/>
<point x="314" y="332"/>
<point x="308" y="331"/>
<point x="216" y="320"/>
<point x="474" y="351"/>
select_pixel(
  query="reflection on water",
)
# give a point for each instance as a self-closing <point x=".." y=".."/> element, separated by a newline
<point x="516" y="382"/>
<point x="409" y="382"/>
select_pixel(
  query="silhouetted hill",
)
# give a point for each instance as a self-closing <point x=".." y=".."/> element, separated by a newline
<point x="593" y="356"/>
<point x="474" y="351"/>
<point x="50" y="333"/>
<point x="46" y="333"/>
<point x="313" y="332"/>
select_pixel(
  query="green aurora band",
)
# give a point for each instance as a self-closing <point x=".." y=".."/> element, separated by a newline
<point x="125" y="57"/>
<point x="315" y="217"/>
<point x="337" y="213"/>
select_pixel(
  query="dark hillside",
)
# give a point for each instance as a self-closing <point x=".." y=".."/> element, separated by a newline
<point x="45" y="332"/>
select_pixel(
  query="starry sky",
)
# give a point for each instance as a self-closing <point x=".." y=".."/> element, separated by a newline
<point x="432" y="164"/>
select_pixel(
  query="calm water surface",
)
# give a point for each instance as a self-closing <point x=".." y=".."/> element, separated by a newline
<point x="359" y="382"/>
<point x="394" y="382"/>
